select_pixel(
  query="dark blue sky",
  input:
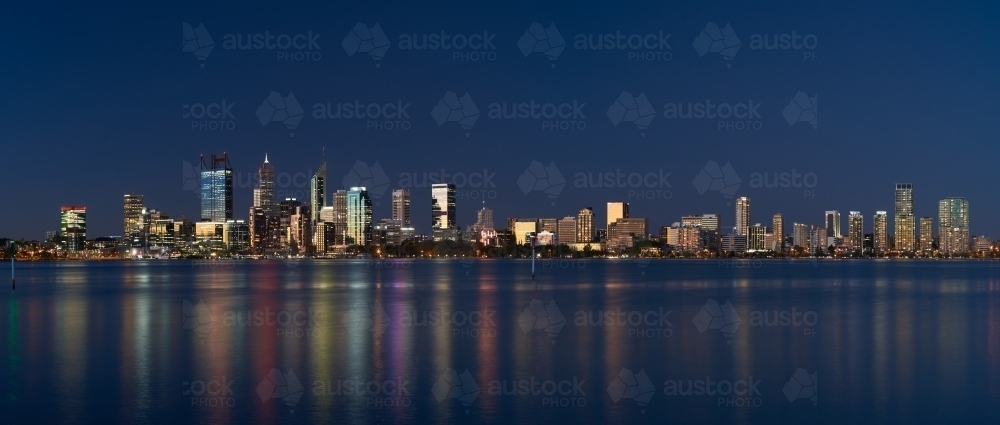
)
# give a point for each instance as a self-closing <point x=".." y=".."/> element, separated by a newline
<point x="93" y="105"/>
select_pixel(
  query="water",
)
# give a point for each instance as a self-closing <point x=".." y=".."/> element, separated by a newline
<point x="885" y="341"/>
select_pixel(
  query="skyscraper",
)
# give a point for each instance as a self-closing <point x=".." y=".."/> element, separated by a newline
<point x="800" y="235"/>
<point x="856" y="230"/>
<point x="585" y="225"/>
<point x="616" y="210"/>
<point x="401" y="206"/>
<point x="903" y="229"/>
<point x="359" y="216"/>
<point x="926" y="234"/>
<point x="742" y="216"/>
<point x="132" y="232"/>
<point x="443" y="225"/>
<point x="881" y="226"/>
<point x="216" y="189"/>
<point x="566" y="233"/>
<point x="832" y="219"/>
<point x="953" y="225"/>
<point x="263" y="193"/>
<point x="755" y="238"/>
<point x="317" y="193"/>
<point x="339" y="218"/>
<point x="778" y="228"/>
<point x="73" y="227"/>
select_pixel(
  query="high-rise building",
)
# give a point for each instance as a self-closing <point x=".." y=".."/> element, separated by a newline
<point x="756" y="238"/>
<point x="216" y="189"/>
<point x="317" y="192"/>
<point x="585" y="225"/>
<point x="359" y="216"/>
<point x="401" y="206"/>
<point x="856" y="230"/>
<point x="236" y="235"/>
<point x="73" y="227"/>
<point x="300" y="234"/>
<point x="443" y="224"/>
<point x="926" y="234"/>
<point x="523" y="229"/>
<point x="905" y="223"/>
<point x="566" y="230"/>
<point x="953" y="225"/>
<point x="832" y="220"/>
<point x="624" y="232"/>
<point x="800" y="235"/>
<point x="711" y="222"/>
<point x="339" y="218"/>
<point x="388" y="232"/>
<point x="818" y="240"/>
<point x="548" y="225"/>
<point x="778" y="229"/>
<point x="263" y="193"/>
<point x="742" y="216"/>
<point x="132" y="233"/>
<point x="616" y="210"/>
<point x="881" y="238"/>
<point x="286" y="209"/>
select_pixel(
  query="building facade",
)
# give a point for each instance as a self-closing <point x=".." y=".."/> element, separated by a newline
<point x="216" y="189"/>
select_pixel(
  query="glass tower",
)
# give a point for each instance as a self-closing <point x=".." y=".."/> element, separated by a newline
<point x="904" y="221"/>
<point x="359" y="216"/>
<point x="216" y="189"/>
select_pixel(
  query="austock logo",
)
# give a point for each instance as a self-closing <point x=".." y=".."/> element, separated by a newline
<point x="452" y="386"/>
<point x="364" y="317"/>
<point x="198" y="318"/>
<point x="277" y="386"/>
<point x="539" y="316"/>
<point x="647" y="47"/>
<point x="377" y="393"/>
<point x="376" y="116"/>
<point x="285" y="110"/>
<point x="729" y="116"/>
<point x="190" y="180"/>
<point x="540" y="178"/>
<point x="721" y="317"/>
<point x="632" y="386"/>
<point x="714" y="178"/>
<point x="633" y="109"/>
<point x="210" y="393"/>
<point x="538" y="39"/>
<point x="371" y="178"/>
<point x="802" y="385"/>
<point x="801" y="108"/>
<point x="713" y="39"/>
<point x="362" y="39"/>
<point x="197" y="41"/>
<point x="452" y="108"/>
<point x="211" y="116"/>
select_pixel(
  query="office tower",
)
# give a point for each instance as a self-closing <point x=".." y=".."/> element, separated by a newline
<point x="443" y="225"/>
<point x="881" y="233"/>
<point x="317" y="192"/>
<point x="711" y="222"/>
<point x="982" y="244"/>
<point x="258" y="228"/>
<point x="73" y="227"/>
<point x="161" y="231"/>
<point x="484" y="218"/>
<point x="818" y="240"/>
<point x="953" y="225"/>
<point x="627" y="231"/>
<point x="523" y="229"/>
<point x="263" y="193"/>
<point x="800" y="235"/>
<point x="926" y="234"/>
<point x="132" y="230"/>
<point x="566" y="230"/>
<point x="299" y="229"/>
<point x="734" y="243"/>
<point x="616" y="210"/>
<point x="778" y="229"/>
<point x="585" y="225"/>
<point x="856" y="230"/>
<point x="236" y="235"/>
<point x="671" y="235"/>
<point x="359" y="216"/>
<point x="286" y="209"/>
<point x="756" y="238"/>
<point x="904" y="219"/>
<point x="340" y="217"/>
<point x="387" y="232"/>
<point x="832" y="220"/>
<point x="216" y="189"/>
<point x="401" y="206"/>
<point x="742" y="215"/>
<point x="548" y="225"/>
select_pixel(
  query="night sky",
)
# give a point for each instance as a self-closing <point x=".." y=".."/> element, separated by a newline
<point x="94" y="102"/>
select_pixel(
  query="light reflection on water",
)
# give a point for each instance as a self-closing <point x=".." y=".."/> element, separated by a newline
<point x="915" y="342"/>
